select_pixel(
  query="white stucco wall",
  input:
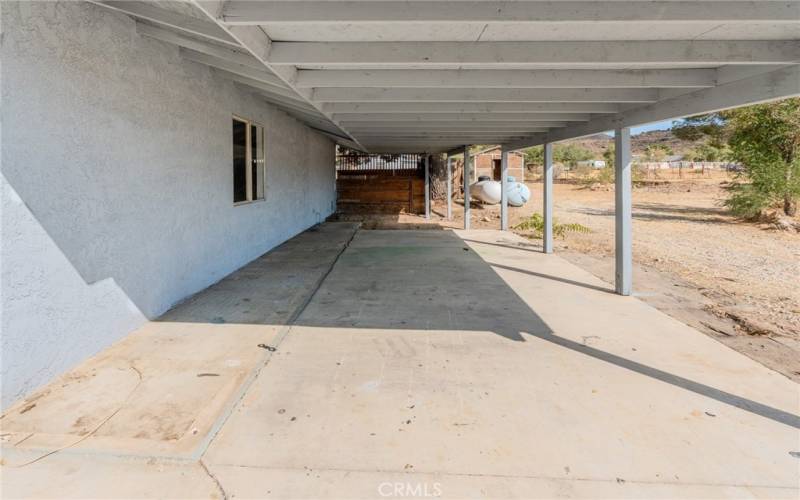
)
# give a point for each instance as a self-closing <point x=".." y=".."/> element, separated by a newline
<point x="117" y="184"/>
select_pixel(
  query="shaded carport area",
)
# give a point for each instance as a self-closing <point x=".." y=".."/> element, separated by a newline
<point x="355" y="363"/>
<point x="350" y="363"/>
<point x="438" y="76"/>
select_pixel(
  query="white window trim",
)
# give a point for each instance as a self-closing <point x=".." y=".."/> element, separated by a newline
<point x="249" y="162"/>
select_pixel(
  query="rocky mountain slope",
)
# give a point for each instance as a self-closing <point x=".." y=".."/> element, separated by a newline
<point x="601" y="142"/>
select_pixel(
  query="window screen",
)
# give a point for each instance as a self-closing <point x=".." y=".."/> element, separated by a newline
<point x="248" y="161"/>
<point x="257" y="162"/>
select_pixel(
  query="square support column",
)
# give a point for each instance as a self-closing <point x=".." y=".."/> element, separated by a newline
<point x="467" y="170"/>
<point x="449" y="188"/>
<point x="623" y="219"/>
<point x="427" y="186"/>
<point x="547" y="199"/>
<point x="503" y="190"/>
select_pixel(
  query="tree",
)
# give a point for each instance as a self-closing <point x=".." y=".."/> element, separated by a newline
<point x="656" y="152"/>
<point x="765" y="139"/>
<point x="438" y="173"/>
<point x="610" y="154"/>
<point x="571" y="154"/>
<point x="695" y="128"/>
<point x="534" y="155"/>
<point x="708" y="152"/>
<point x="568" y="154"/>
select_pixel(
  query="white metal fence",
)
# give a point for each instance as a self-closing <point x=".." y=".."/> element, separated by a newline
<point x="689" y="165"/>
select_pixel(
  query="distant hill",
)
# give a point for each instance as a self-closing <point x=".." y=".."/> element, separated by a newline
<point x="663" y="137"/>
<point x="599" y="143"/>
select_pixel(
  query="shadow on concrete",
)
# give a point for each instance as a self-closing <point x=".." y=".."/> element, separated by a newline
<point x="556" y="278"/>
<point x="272" y="288"/>
<point x="728" y="398"/>
<point x="424" y="280"/>
<point x="408" y="280"/>
<point x="527" y="247"/>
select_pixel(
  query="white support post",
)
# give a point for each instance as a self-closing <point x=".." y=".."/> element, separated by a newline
<point x="449" y="187"/>
<point x="504" y="190"/>
<point x="547" y="199"/>
<point x="427" y="186"/>
<point x="622" y="211"/>
<point x="467" y="168"/>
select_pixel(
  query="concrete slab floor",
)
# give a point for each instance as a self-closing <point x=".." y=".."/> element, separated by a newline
<point x="427" y="363"/>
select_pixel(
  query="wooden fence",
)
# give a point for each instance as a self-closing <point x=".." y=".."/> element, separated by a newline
<point x="382" y="191"/>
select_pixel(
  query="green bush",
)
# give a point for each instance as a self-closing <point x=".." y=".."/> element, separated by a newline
<point x="536" y="223"/>
<point x="606" y="175"/>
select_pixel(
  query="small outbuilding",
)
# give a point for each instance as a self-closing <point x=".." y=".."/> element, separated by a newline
<point x="487" y="162"/>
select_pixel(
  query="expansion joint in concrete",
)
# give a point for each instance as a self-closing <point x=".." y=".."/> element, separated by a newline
<point x="279" y="338"/>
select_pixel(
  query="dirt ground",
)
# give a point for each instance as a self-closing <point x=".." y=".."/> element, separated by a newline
<point x="735" y="281"/>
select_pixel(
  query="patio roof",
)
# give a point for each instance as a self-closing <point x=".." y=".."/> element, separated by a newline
<point x="403" y="76"/>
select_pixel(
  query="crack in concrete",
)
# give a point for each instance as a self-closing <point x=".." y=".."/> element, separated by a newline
<point x="215" y="479"/>
<point x="279" y="338"/>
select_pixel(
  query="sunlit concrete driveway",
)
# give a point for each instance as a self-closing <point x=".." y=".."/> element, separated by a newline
<point x="374" y="364"/>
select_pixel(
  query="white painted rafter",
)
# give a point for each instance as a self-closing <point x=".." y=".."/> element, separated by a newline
<point x="437" y="137"/>
<point x="351" y="94"/>
<point x="575" y="78"/>
<point x="224" y="53"/>
<point x="259" y="75"/>
<point x="521" y="131"/>
<point x="504" y="54"/>
<point x="172" y="20"/>
<point x="269" y="91"/>
<point x="471" y="107"/>
<point x="411" y="134"/>
<point x="443" y="143"/>
<point x="210" y="44"/>
<point x="455" y="123"/>
<point x="764" y="87"/>
<point x="451" y="12"/>
<point x="410" y="148"/>
<point x="461" y="117"/>
<point x="255" y="41"/>
<point x="312" y="116"/>
<point x="455" y="134"/>
<point x="442" y="94"/>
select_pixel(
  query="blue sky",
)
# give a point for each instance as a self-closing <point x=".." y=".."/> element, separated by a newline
<point x="665" y="125"/>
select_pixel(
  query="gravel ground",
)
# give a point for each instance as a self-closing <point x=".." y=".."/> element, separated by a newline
<point x="752" y="272"/>
<point x="736" y="281"/>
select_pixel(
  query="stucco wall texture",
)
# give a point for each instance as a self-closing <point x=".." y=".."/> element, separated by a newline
<point x="117" y="184"/>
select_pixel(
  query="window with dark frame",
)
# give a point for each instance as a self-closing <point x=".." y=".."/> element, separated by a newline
<point x="248" y="161"/>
